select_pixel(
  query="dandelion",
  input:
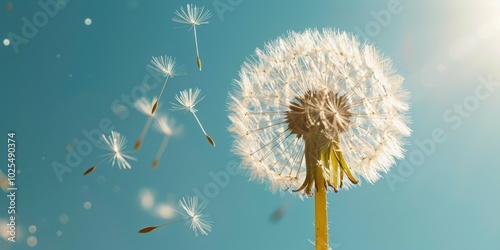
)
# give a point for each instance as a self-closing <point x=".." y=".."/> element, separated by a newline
<point x="192" y="215"/>
<point x="115" y="143"/>
<point x="167" y="127"/>
<point x="144" y="106"/>
<point x="167" y="66"/>
<point x="187" y="100"/>
<point x="313" y="109"/>
<point x="193" y="15"/>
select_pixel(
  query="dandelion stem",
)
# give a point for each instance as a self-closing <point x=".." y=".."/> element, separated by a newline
<point x="160" y="151"/>
<point x="316" y="157"/>
<point x="199" y="123"/>
<point x="138" y="143"/>
<point x="210" y="140"/>
<point x="176" y="221"/>
<point x="321" y="214"/>
<point x="151" y="228"/>
<point x="161" y="92"/>
<point x="198" y="60"/>
<point x="91" y="169"/>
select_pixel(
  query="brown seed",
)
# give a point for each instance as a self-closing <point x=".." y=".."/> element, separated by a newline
<point x="89" y="170"/>
<point x="137" y="144"/>
<point x="154" y="107"/>
<point x="210" y="140"/>
<point x="147" y="229"/>
<point x="198" y="61"/>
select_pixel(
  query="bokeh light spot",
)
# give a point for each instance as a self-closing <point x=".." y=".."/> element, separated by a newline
<point x="147" y="198"/>
<point x="8" y="6"/>
<point x="165" y="211"/>
<point x="101" y="179"/>
<point x="441" y="67"/>
<point x="4" y="229"/>
<point x="87" y="205"/>
<point x="63" y="218"/>
<point x="32" y="241"/>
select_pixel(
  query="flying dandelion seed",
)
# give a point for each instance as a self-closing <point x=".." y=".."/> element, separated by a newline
<point x="167" y="66"/>
<point x="167" y="127"/>
<point x="144" y="106"/>
<point x="193" y="16"/>
<point x="314" y="108"/>
<point x="187" y="100"/>
<point x="192" y="215"/>
<point x="115" y="143"/>
<point x="197" y="221"/>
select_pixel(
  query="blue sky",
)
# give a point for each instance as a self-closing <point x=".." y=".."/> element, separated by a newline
<point x="61" y="81"/>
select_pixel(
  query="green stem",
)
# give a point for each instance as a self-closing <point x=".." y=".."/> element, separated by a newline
<point x="321" y="214"/>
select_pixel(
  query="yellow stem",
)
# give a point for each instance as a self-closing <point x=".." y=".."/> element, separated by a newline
<point x="321" y="214"/>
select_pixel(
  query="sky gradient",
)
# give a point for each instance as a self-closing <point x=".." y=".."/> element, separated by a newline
<point x="64" y="80"/>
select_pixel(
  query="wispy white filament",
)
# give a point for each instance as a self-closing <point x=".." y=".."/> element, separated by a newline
<point x="192" y="211"/>
<point x="116" y="143"/>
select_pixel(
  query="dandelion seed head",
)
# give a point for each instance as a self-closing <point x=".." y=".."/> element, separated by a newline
<point x="167" y="66"/>
<point x="193" y="15"/>
<point x="116" y="143"/>
<point x="198" y="222"/>
<point x="187" y="100"/>
<point x="324" y="87"/>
